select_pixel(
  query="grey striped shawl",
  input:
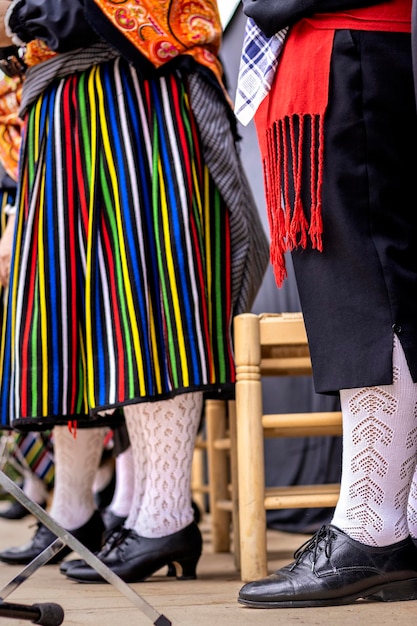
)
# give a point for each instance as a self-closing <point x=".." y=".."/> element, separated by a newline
<point x="38" y="77"/>
<point x="250" y="247"/>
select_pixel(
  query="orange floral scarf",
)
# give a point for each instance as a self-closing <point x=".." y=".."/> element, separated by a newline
<point x="10" y="124"/>
<point x="36" y="52"/>
<point x="166" y="29"/>
<point x="160" y="31"/>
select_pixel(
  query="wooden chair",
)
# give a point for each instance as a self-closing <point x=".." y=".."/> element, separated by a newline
<point x="270" y="345"/>
<point x="214" y="473"/>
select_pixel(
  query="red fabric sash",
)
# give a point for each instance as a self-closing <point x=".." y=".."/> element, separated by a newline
<point x="296" y="105"/>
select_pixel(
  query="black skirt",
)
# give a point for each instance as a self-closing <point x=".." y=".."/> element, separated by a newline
<point x="363" y="287"/>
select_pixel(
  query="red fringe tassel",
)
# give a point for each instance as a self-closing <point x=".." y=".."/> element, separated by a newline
<point x="289" y="225"/>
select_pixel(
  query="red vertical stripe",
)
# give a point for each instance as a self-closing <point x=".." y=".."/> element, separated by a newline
<point x="26" y="351"/>
<point x="68" y="161"/>
<point x="120" y="360"/>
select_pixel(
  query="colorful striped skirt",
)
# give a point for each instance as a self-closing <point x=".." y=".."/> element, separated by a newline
<point x="7" y="197"/>
<point x="34" y="452"/>
<point x="121" y="284"/>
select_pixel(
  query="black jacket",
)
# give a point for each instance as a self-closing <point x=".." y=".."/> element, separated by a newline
<point x="60" y="23"/>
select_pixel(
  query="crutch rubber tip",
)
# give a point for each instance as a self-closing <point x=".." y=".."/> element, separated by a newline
<point x="50" y="614"/>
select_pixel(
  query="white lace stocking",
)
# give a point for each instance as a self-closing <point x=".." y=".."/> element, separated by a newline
<point x="379" y="458"/>
<point x="123" y="492"/>
<point x="162" y="435"/>
<point x="412" y="507"/>
<point x="76" y="463"/>
<point x="35" y="488"/>
<point x="134" y="424"/>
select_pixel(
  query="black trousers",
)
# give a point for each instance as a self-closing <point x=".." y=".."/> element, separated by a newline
<point x="363" y="287"/>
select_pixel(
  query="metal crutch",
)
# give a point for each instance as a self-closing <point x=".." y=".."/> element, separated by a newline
<point x="65" y="537"/>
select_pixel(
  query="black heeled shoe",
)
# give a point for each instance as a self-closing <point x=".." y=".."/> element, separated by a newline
<point x="113" y="524"/>
<point x="196" y="511"/>
<point x="65" y="565"/>
<point x="90" y="534"/>
<point x="18" y="511"/>
<point x="111" y="536"/>
<point x="134" y="558"/>
<point x="333" y="569"/>
<point x="111" y="520"/>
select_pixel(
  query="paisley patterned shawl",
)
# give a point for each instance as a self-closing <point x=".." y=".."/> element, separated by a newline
<point x="10" y="124"/>
<point x="36" y="52"/>
<point x="164" y="30"/>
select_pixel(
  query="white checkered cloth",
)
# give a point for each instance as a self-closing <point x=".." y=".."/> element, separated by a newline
<point x="258" y="64"/>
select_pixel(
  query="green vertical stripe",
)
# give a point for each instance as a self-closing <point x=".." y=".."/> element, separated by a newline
<point x="121" y="292"/>
<point x="34" y="365"/>
<point x="158" y="227"/>
<point x="218" y="287"/>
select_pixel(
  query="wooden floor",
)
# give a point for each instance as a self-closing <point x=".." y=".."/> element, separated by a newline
<point x="208" y="601"/>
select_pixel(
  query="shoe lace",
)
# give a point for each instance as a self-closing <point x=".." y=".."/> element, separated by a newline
<point x="41" y="530"/>
<point x="322" y="539"/>
<point x="114" y="539"/>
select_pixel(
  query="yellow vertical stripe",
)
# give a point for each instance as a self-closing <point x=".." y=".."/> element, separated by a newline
<point x="16" y="262"/>
<point x="209" y="260"/>
<point x="154" y="346"/>
<point x="121" y="240"/>
<point x="84" y="369"/>
<point x="89" y="371"/>
<point x="3" y="292"/>
<point x="42" y="295"/>
<point x="171" y="276"/>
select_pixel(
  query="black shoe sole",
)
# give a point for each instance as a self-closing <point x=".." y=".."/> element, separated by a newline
<point x="398" y="591"/>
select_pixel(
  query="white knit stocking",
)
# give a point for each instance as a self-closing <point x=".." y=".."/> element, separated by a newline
<point x="134" y="424"/>
<point x="162" y="435"/>
<point x="379" y="457"/>
<point x="76" y="463"/>
<point x="123" y="493"/>
<point x="412" y="508"/>
<point x="35" y="488"/>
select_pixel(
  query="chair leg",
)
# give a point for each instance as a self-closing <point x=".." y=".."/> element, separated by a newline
<point x="218" y="474"/>
<point x="234" y="483"/>
<point x="250" y="449"/>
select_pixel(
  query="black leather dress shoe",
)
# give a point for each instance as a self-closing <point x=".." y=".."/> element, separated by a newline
<point x="333" y="569"/>
<point x="90" y="534"/>
<point x="111" y="520"/>
<point x="17" y="510"/>
<point x="135" y="558"/>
